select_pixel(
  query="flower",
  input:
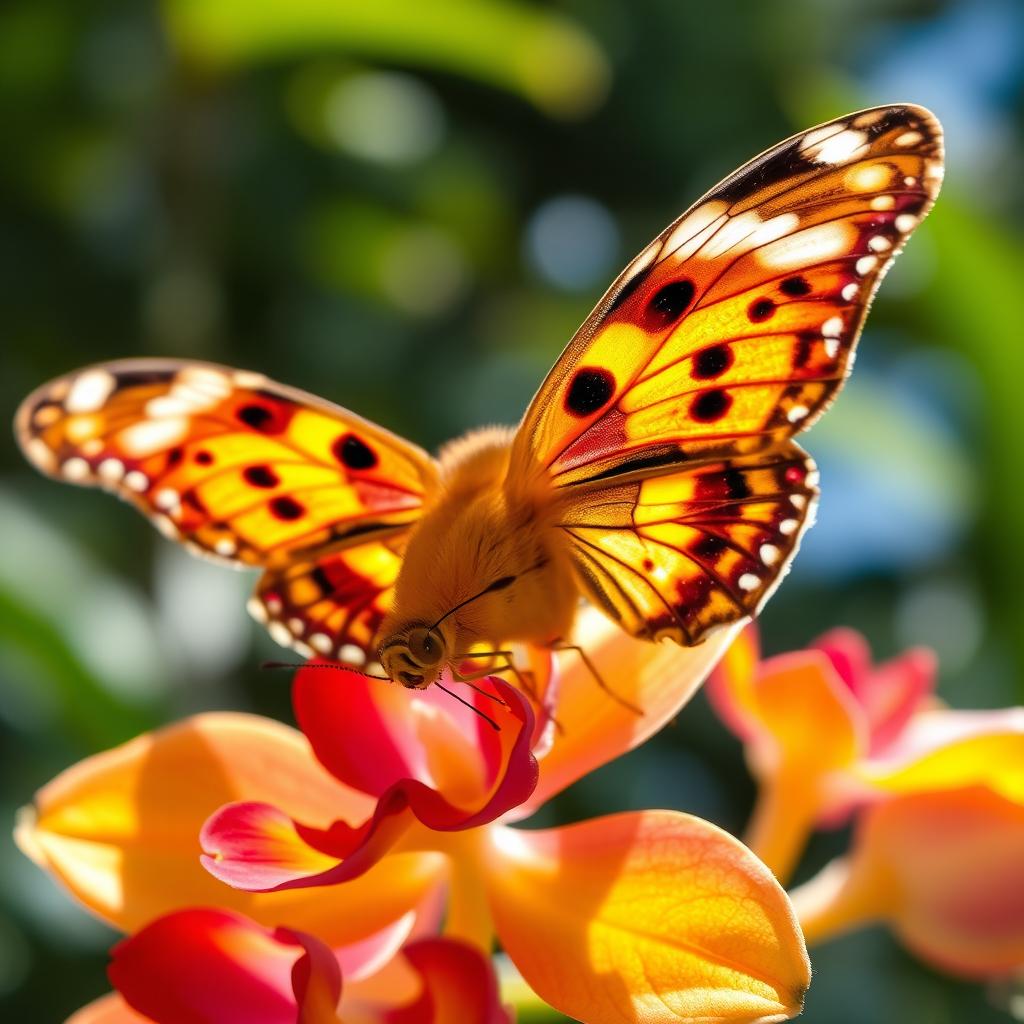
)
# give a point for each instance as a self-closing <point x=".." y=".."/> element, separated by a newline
<point x="121" y="831"/>
<point x="826" y="733"/>
<point x="211" y="966"/>
<point x="944" y="869"/>
<point x="655" y="913"/>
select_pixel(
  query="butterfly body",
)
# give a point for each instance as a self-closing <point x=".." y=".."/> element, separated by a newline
<point x="654" y="473"/>
<point x="486" y="563"/>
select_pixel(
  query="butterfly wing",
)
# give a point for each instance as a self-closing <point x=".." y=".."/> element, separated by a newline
<point x="680" y="554"/>
<point x="736" y="325"/>
<point x="331" y="604"/>
<point x="726" y="336"/>
<point x="241" y="469"/>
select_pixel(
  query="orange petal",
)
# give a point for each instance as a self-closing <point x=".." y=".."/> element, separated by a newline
<point x="109" y="1009"/>
<point x="809" y="713"/>
<point x="121" y="829"/>
<point x="653" y="916"/>
<point x="730" y="686"/>
<point x="596" y="728"/>
<point x="945" y="869"/>
<point x="954" y="749"/>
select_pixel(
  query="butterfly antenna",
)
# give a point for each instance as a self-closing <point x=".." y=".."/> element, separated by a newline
<point x="498" y="584"/>
<point x="472" y="707"/>
<point x="484" y="693"/>
<point x="296" y="665"/>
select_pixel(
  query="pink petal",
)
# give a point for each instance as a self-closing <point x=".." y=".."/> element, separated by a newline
<point x="452" y="766"/>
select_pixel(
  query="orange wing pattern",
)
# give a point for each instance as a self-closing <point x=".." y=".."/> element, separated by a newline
<point x="732" y="330"/>
<point x="238" y="468"/>
<point x="677" y="555"/>
<point x="665" y="424"/>
<point x="332" y="604"/>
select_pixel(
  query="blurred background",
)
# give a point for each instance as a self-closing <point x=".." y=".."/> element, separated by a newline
<point x="408" y="208"/>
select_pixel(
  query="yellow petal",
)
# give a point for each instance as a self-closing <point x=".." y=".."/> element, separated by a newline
<point x="121" y="829"/>
<point x="992" y="757"/>
<point x="595" y="728"/>
<point x="653" y="916"/>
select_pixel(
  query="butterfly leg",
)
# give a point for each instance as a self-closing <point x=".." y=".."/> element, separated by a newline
<point x="522" y="678"/>
<point x="560" y="645"/>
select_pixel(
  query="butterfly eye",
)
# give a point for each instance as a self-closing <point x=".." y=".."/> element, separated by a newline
<point x="425" y="646"/>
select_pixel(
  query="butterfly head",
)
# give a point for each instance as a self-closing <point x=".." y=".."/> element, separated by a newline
<point x="415" y="657"/>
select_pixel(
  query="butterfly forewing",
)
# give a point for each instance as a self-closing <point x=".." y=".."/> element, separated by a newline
<point x="248" y="471"/>
<point x="731" y="331"/>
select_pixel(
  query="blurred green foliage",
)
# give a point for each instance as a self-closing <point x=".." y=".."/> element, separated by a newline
<point x="408" y="208"/>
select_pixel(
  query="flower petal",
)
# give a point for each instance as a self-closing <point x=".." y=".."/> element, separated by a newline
<point x="954" y="749"/>
<point x="810" y="716"/>
<point x="396" y="749"/>
<point x="652" y="916"/>
<point x="214" y="967"/>
<point x="453" y="768"/>
<point x="594" y="727"/>
<point x="258" y="848"/>
<point x="945" y="869"/>
<point x="121" y="829"/>
<point x="458" y="986"/>
<point x="731" y="686"/>
<point x="889" y="694"/>
<point x="108" y="1009"/>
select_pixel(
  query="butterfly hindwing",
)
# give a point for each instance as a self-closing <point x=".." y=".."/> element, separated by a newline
<point x="732" y="330"/>
<point x="244" y="470"/>
<point x="331" y="604"/>
<point x="677" y="555"/>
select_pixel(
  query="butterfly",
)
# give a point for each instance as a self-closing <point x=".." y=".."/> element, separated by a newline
<point x="654" y="473"/>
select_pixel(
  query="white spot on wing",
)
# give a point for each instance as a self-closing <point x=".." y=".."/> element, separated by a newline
<point x="111" y="470"/>
<point x="225" y="546"/>
<point x="905" y="222"/>
<point x="89" y="391"/>
<point x="351" y="654"/>
<point x="879" y="243"/>
<point x="865" y="265"/>
<point x="149" y="436"/>
<point x="788" y="526"/>
<point x="797" y="413"/>
<point x="321" y="642"/>
<point x="166" y="499"/>
<point x="690" y="226"/>
<point x="835" y="149"/>
<point x="849" y="292"/>
<point x="832" y="327"/>
<point x="748" y="581"/>
<point x="254" y="606"/>
<point x="811" y="245"/>
<point x="769" y="554"/>
<point x="75" y="468"/>
<point x="279" y="633"/>
<point x="136" y="480"/>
